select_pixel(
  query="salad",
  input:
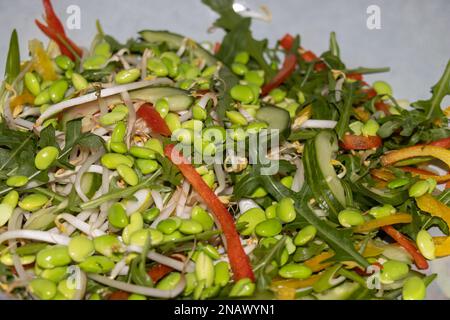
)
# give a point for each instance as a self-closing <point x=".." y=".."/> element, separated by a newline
<point x="162" y="168"/>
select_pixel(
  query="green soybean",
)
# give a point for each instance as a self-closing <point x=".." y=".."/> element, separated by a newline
<point x="173" y="236"/>
<point x="169" y="282"/>
<point x="138" y="238"/>
<point x="119" y="132"/>
<point x="295" y="271"/>
<point x="155" y="145"/>
<point x="252" y="217"/>
<point x="32" y="83"/>
<point x="204" y="269"/>
<point x="157" y="67"/>
<point x="46" y="157"/>
<point x="5" y="213"/>
<point x="162" y="106"/>
<point x="242" y="57"/>
<point x="17" y="181"/>
<point x="64" y="62"/>
<point x="268" y="228"/>
<point x="236" y="118"/>
<point x="127" y="174"/>
<point x="11" y="198"/>
<point x="142" y="152"/>
<point x="305" y="235"/>
<point x="393" y="271"/>
<point x="285" y="210"/>
<point x="426" y="244"/>
<point x="189" y="226"/>
<point x="108" y="245"/>
<point x="350" y="218"/>
<point x="167" y="226"/>
<point x="201" y="216"/>
<point x="111" y="118"/>
<point x="42" y="288"/>
<point x="239" y="68"/>
<point x="42" y="98"/>
<point x="103" y="49"/>
<point x="287" y="181"/>
<point x="136" y="223"/>
<point x="382" y="88"/>
<point x="414" y="289"/>
<point x="198" y="113"/>
<point x="52" y="257"/>
<point x="117" y="216"/>
<point x="243" y="288"/>
<point x="118" y="147"/>
<point x="113" y="160"/>
<point x="191" y="284"/>
<point x="271" y="211"/>
<point x="136" y="296"/>
<point x="80" y="247"/>
<point x="255" y="77"/>
<point x="150" y="214"/>
<point x="397" y="183"/>
<point x="97" y="264"/>
<point x="57" y="90"/>
<point x="370" y="128"/>
<point x="242" y="93"/>
<point x="383" y="211"/>
<point x="55" y="275"/>
<point x="419" y="188"/>
<point x="221" y="273"/>
<point x="147" y="166"/>
<point x="277" y="95"/>
<point x="33" y="202"/>
<point x="127" y="76"/>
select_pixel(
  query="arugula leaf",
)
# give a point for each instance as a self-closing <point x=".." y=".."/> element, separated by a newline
<point x="170" y="172"/>
<point x="228" y="17"/>
<point x="334" y="46"/>
<point x="226" y="80"/>
<point x="432" y="107"/>
<point x="47" y="137"/>
<point x="342" y="125"/>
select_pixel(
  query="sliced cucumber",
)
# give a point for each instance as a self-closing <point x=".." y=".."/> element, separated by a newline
<point x="174" y="41"/>
<point x="276" y="118"/>
<point x="90" y="183"/>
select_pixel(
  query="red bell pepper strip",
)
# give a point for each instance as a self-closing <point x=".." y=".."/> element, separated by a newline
<point x="408" y="245"/>
<point x="119" y="295"/>
<point x="55" y="31"/>
<point x="153" y="119"/>
<point x="216" y="48"/>
<point x="159" y="271"/>
<point x="287" y="41"/>
<point x="443" y="143"/>
<point x="286" y="70"/>
<point x="239" y="260"/>
<point x="381" y="106"/>
<point x="355" y="76"/>
<point x="354" y="142"/>
<point x="310" y="56"/>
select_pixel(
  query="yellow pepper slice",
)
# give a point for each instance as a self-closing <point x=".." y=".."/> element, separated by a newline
<point x="41" y="61"/>
<point x="442" y="246"/>
<point x="430" y="204"/>
<point x="419" y="151"/>
<point x="315" y="263"/>
<point x="382" y="174"/>
<point x="294" y="283"/>
<point x="381" y="222"/>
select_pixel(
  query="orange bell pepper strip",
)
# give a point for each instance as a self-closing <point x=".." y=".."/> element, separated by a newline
<point x="315" y="263"/>
<point x="442" y="245"/>
<point x="381" y="222"/>
<point x="119" y="295"/>
<point x="239" y="261"/>
<point x="290" y="61"/>
<point x="159" y="271"/>
<point x="409" y="246"/>
<point x="287" y="41"/>
<point x="382" y="174"/>
<point x="433" y="206"/>
<point x="294" y="283"/>
<point x="153" y="119"/>
<point x="440" y="153"/>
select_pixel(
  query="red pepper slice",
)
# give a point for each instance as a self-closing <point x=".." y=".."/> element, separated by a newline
<point x="354" y="142"/>
<point x="417" y="171"/>
<point x="119" y="295"/>
<point x="159" y="271"/>
<point x="216" y="48"/>
<point x="443" y="143"/>
<point x="286" y="70"/>
<point x="408" y="245"/>
<point x="381" y="106"/>
<point x="287" y="41"/>
<point x="310" y="56"/>
<point x="153" y="119"/>
<point x="239" y="260"/>
<point x="355" y="76"/>
<point x="53" y="35"/>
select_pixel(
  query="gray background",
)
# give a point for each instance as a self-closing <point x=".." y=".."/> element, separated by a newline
<point x="413" y="40"/>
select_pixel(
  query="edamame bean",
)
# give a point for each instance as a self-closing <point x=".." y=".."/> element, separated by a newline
<point x="191" y="284"/>
<point x="46" y="157"/>
<point x="111" y="118"/>
<point x="32" y="83"/>
<point x="57" y="90"/>
<point x="414" y="289"/>
<point x="426" y="245"/>
<point x="277" y="95"/>
<point x="271" y="211"/>
<point x="242" y="93"/>
<point x="68" y="74"/>
<point x="383" y="211"/>
<point x="287" y="181"/>
<point x="211" y="252"/>
<point x="201" y="216"/>
<point x="172" y="68"/>
<point x="42" y="98"/>
<point x="103" y="49"/>
<point x="255" y="77"/>
<point x="147" y="166"/>
<point x="109" y="246"/>
<point x="150" y="214"/>
<point x="356" y="127"/>
<point x="419" y="188"/>
<point x="295" y="271"/>
<point x="285" y="210"/>
<point x="259" y="193"/>
<point x="33" y="202"/>
<point x="142" y="152"/>
<point x="136" y="296"/>
<point x="432" y="184"/>
<point x="184" y="136"/>
<point x="118" y="147"/>
<point x="186" y="84"/>
<point x="94" y="62"/>
<point x="188" y="71"/>
<point x="236" y="118"/>
<point x="209" y="178"/>
<point x="397" y="183"/>
<point x="55" y="275"/>
<point x="52" y="257"/>
<point x="243" y="288"/>
<point x="393" y="271"/>
<point x="127" y="76"/>
<point x="64" y="62"/>
<point x="67" y="288"/>
<point x="268" y="228"/>
<point x="350" y="217"/>
<point x="194" y="125"/>
<point x="173" y="121"/>
<point x="173" y="236"/>
<point x="239" y="68"/>
<point x="128" y="174"/>
<point x="169" y="282"/>
<point x="7" y="259"/>
<point x="156" y="66"/>
<point x="242" y="57"/>
<point x="80" y="247"/>
<point x="120" y="108"/>
<point x="221" y="273"/>
<point x="11" y="198"/>
<point x="155" y="145"/>
<point x="189" y="226"/>
<point x="136" y="223"/>
<point x="167" y="226"/>
<point x="5" y="213"/>
<point x="162" y="106"/>
<point x="138" y="238"/>
<point x="97" y="264"/>
<point x="117" y="216"/>
<point x="305" y="235"/>
<point x="119" y="132"/>
<point x="198" y="113"/>
<point x="382" y="88"/>
<point x="17" y="181"/>
<point x="370" y="128"/>
<point x="113" y="160"/>
<point x="214" y="134"/>
<point x="252" y="217"/>
<point x="204" y="269"/>
<point x="42" y="288"/>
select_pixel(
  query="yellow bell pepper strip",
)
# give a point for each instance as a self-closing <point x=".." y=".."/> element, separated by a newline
<point x="315" y="263"/>
<point x="278" y="284"/>
<point x="25" y="98"/>
<point x="433" y="206"/>
<point x="285" y="293"/>
<point x="442" y="245"/>
<point x="440" y="153"/>
<point x="371" y="250"/>
<point x="381" y="222"/>
<point x="382" y="174"/>
<point x="41" y="61"/>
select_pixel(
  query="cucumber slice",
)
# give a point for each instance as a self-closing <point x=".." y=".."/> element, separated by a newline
<point x="90" y="183"/>
<point x="174" y="41"/>
<point x="276" y="118"/>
